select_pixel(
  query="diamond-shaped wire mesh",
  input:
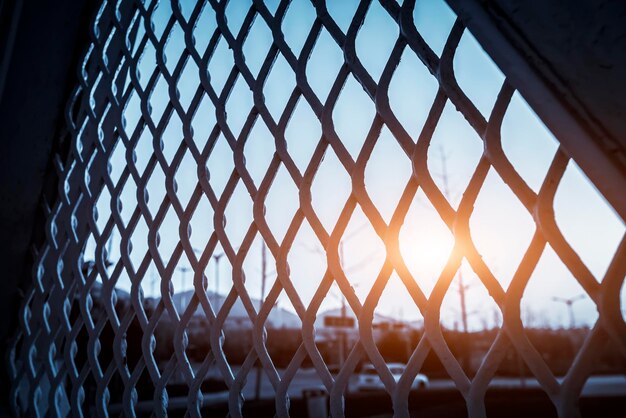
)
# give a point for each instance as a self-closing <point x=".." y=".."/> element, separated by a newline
<point x="74" y="349"/>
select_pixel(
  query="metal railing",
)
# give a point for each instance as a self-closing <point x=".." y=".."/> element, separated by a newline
<point x="65" y="326"/>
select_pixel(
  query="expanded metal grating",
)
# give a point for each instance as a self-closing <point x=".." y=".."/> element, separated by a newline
<point x="71" y="315"/>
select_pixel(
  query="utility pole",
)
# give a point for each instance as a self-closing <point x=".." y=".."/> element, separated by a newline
<point x="569" y="302"/>
<point x="217" y="258"/>
<point x="466" y="346"/>
<point x="263" y="279"/>
<point x="465" y="355"/>
<point x="183" y="270"/>
<point x="342" y="333"/>
<point x="462" y="288"/>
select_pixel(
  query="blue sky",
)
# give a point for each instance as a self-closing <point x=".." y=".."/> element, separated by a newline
<point x="500" y="225"/>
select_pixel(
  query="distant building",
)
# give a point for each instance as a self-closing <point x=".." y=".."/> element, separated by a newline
<point x="380" y="323"/>
<point x="238" y="317"/>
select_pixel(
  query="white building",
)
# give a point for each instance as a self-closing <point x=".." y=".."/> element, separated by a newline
<point x="238" y="315"/>
<point x="380" y="323"/>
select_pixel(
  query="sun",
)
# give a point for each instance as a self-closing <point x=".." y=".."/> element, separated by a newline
<point x="425" y="251"/>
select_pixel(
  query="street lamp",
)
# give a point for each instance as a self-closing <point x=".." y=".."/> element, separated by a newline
<point x="217" y="258"/>
<point x="569" y="302"/>
<point x="183" y="270"/>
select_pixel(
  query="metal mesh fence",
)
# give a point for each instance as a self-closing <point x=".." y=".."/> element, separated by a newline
<point x="72" y="351"/>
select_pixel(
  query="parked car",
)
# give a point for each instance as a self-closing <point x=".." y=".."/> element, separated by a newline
<point x="370" y="380"/>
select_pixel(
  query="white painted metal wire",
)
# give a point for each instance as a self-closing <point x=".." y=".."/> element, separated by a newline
<point x="62" y="318"/>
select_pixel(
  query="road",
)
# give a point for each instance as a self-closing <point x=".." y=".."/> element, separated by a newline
<point x="307" y="378"/>
<point x="611" y="385"/>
